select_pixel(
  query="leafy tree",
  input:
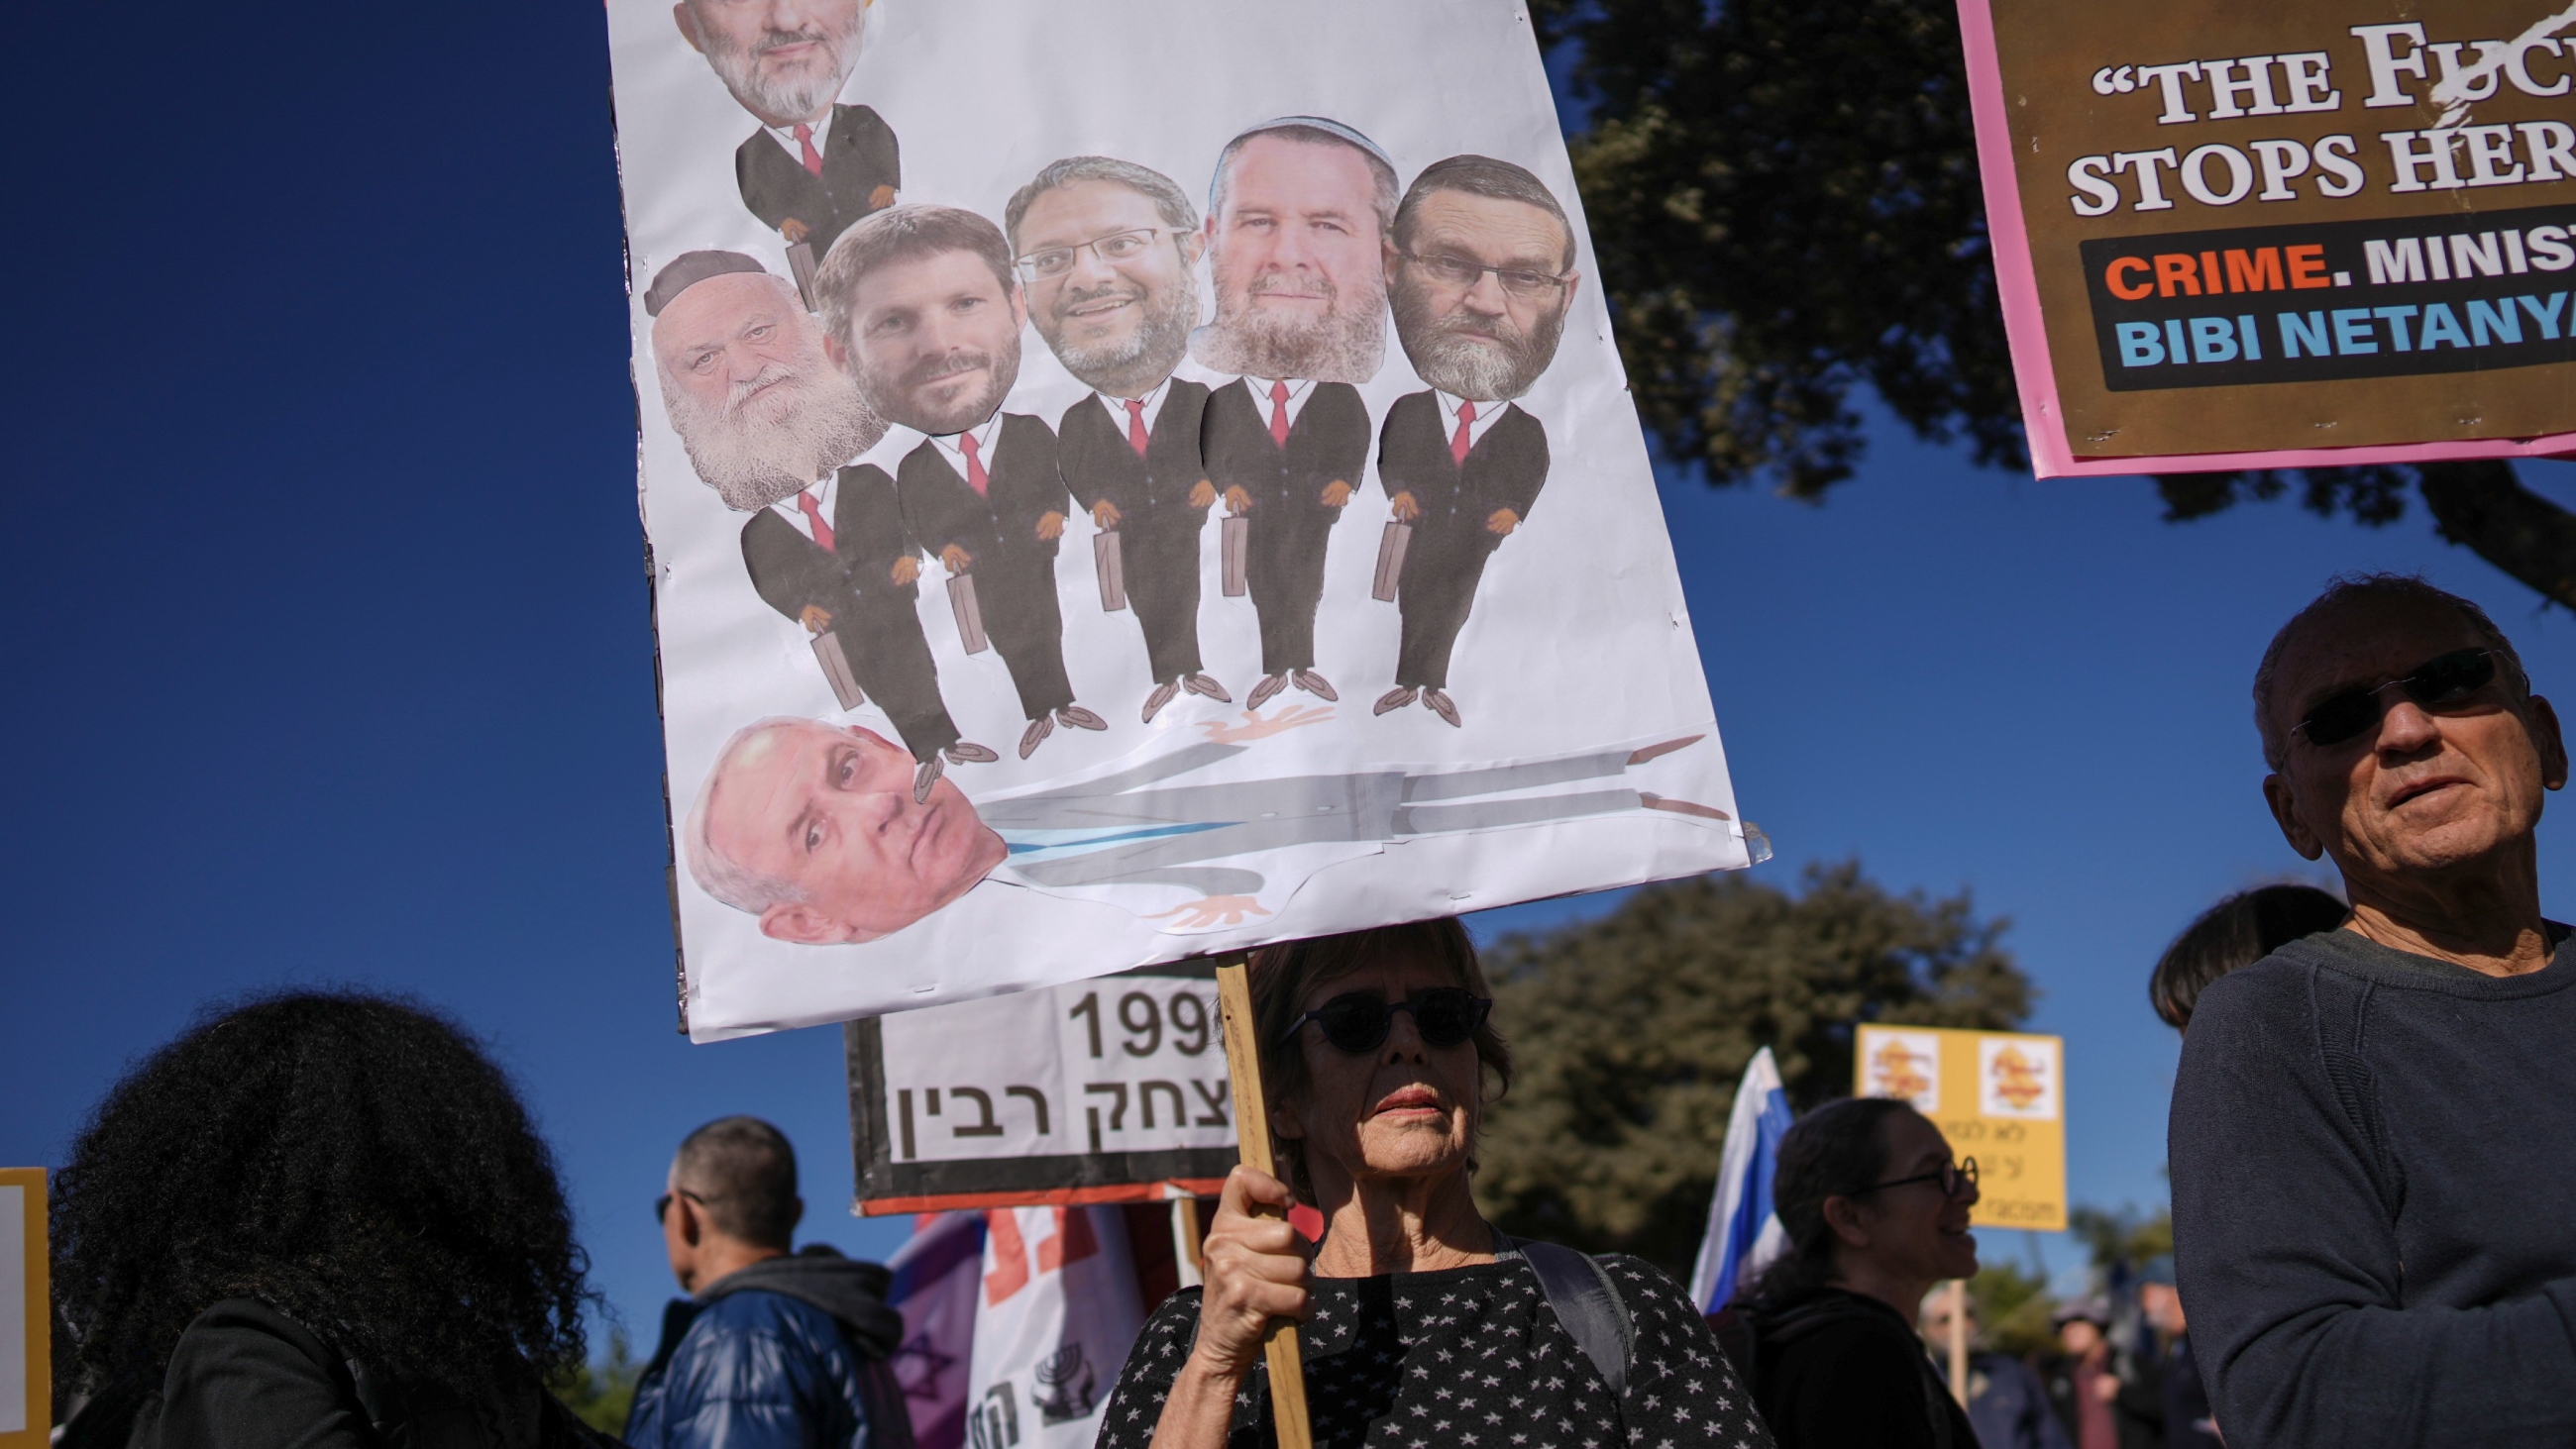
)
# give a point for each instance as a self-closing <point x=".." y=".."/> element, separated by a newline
<point x="601" y="1393"/>
<point x="1631" y="1031"/>
<point x="2013" y="1305"/>
<point x="1785" y="204"/>
<point x="2115" y="1236"/>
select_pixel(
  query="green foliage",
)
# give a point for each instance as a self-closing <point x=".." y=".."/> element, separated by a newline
<point x="2122" y="1235"/>
<point x="601" y="1393"/>
<point x="1785" y="206"/>
<point x="2013" y="1305"/>
<point x="1631" y="1031"/>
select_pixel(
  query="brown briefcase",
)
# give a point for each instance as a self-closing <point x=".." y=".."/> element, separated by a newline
<point x="836" y="668"/>
<point x="1234" y="535"/>
<point x="800" y="262"/>
<point x="970" y="616"/>
<point x="1390" y="559"/>
<point x="1109" y="561"/>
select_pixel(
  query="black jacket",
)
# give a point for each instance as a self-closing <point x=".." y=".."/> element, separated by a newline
<point x="1021" y="486"/>
<point x="245" y="1376"/>
<point x="1099" y="462"/>
<point x="861" y="173"/>
<point x="1505" y="469"/>
<point x="1837" y="1370"/>
<point x="791" y="571"/>
<point x="1327" y="443"/>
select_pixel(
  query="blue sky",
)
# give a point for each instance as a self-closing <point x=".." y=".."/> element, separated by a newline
<point x="323" y="622"/>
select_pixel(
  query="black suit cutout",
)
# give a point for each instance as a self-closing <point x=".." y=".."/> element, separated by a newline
<point x="1446" y="558"/>
<point x="861" y="173"/>
<point x="1013" y="568"/>
<point x="1291" y="524"/>
<point x="876" y="619"/>
<point x="1158" y="530"/>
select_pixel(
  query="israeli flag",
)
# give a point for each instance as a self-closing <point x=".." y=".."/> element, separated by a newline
<point x="1743" y="1233"/>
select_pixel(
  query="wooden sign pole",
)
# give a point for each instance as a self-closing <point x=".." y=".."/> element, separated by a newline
<point x="1252" y="1134"/>
<point x="1959" y="1340"/>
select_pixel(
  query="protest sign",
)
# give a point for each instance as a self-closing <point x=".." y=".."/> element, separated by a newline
<point x="1111" y="1090"/>
<point x="1999" y="1096"/>
<point x="928" y="298"/>
<point x="26" y="1317"/>
<point x="2300" y="234"/>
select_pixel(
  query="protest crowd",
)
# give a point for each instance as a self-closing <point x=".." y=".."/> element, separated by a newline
<point x="325" y="1219"/>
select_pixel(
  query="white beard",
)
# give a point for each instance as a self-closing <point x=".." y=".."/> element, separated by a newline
<point x="1346" y="344"/>
<point x="753" y="462"/>
<point x="789" y="98"/>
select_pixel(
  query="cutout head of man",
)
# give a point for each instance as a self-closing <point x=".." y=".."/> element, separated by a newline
<point x="760" y="408"/>
<point x="922" y="305"/>
<point x="1108" y="255"/>
<point x="813" y="828"/>
<point x="1483" y="274"/>
<point x="1298" y="244"/>
<point x="784" y="60"/>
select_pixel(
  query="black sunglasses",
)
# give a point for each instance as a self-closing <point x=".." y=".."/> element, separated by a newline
<point x="1955" y="1179"/>
<point x="1358" y="1021"/>
<point x="662" y="1204"/>
<point x="2445" y="680"/>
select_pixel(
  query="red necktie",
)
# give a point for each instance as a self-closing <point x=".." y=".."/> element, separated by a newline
<point x="1279" y="412"/>
<point x="814" y="515"/>
<point x="1136" y="438"/>
<point x="812" y="158"/>
<point x="975" y="478"/>
<point x="1459" y="445"/>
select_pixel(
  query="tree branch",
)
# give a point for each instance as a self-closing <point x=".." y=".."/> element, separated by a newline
<point x="2483" y="507"/>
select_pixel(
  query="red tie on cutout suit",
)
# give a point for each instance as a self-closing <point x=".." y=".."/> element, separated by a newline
<point x="812" y="158"/>
<point x="1459" y="445"/>
<point x="974" y="452"/>
<point x="1136" y="438"/>
<point x="814" y="515"/>
<point x="1279" y="412"/>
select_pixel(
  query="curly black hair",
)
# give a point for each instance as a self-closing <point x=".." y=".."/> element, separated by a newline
<point x="353" y="1160"/>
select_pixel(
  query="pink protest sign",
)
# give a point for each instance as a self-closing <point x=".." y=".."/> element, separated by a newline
<point x="2294" y="235"/>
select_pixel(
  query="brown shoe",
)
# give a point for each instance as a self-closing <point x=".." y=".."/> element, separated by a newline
<point x="1267" y="690"/>
<point x="1038" y="730"/>
<point x="925" y="777"/>
<point x="1314" y="684"/>
<point x="1439" y="703"/>
<point x="1200" y="684"/>
<point x="1395" y="699"/>
<point x="1163" y="694"/>
<point x="1076" y="717"/>
<point x="1682" y="807"/>
<point x="967" y="752"/>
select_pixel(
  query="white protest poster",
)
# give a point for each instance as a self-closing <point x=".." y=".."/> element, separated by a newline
<point x="1060" y="1311"/>
<point x="1130" y="483"/>
<point x="1109" y="1090"/>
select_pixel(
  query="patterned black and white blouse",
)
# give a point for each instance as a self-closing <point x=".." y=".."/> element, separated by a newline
<point x="1469" y="1357"/>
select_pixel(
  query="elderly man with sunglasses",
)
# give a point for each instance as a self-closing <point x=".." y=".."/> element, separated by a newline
<point x="2374" y="1128"/>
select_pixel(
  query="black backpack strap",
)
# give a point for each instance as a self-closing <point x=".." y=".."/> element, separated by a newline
<point x="1589" y="1306"/>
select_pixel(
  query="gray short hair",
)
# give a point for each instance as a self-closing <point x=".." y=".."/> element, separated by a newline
<point x="743" y="1172"/>
<point x="1168" y="198"/>
<point x="1480" y="176"/>
<point x="717" y="873"/>
<point x="903" y="234"/>
<point x="1331" y="134"/>
<point x="2371" y="587"/>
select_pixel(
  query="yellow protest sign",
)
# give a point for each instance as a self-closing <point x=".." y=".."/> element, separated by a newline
<point x="1999" y="1096"/>
<point x="26" y="1325"/>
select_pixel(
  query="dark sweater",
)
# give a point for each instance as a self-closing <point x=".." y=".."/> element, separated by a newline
<point x="1838" y="1370"/>
<point x="2374" y="1194"/>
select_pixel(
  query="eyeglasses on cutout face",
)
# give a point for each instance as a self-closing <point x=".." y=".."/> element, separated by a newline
<point x="1357" y="1022"/>
<point x="1051" y="263"/>
<point x="1955" y="1179"/>
<point x="1460" y="274"/>
<point x="2444" y="682"/>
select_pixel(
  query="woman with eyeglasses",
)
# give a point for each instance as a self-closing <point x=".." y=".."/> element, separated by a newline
<point x="1876" y="1212"/>
<point x="1422" y="1323"/>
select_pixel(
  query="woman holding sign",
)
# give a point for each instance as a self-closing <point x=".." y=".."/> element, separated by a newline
<point x="1376" y="1050"/>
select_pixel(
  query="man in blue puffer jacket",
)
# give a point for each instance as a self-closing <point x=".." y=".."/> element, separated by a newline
<point x="771" y="1350"/>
